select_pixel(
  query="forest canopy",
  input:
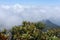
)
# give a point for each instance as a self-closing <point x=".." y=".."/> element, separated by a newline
<point x="30" y="31"/>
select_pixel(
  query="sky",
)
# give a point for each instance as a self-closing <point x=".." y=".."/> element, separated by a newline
<point x="14" y="12"/>
<point x="31" y="2"/>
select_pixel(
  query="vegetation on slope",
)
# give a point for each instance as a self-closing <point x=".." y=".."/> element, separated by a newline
<point x="30" y="31"/>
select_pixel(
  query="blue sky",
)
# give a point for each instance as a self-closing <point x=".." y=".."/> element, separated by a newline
<point x="31" y="2"/>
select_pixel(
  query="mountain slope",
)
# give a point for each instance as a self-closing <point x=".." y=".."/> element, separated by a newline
<point x="50" y="25"/>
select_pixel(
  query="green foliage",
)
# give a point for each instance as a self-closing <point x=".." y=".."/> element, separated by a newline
<point x="40" y="25"/>
<point x="32" y="31"/>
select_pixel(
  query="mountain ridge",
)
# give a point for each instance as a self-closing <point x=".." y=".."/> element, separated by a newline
<point x="50" y="25"/>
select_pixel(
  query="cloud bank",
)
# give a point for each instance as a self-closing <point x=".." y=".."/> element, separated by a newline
<point x="11" y="15"/>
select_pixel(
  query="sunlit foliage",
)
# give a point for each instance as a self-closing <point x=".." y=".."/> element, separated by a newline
<point x="30" y="31"/>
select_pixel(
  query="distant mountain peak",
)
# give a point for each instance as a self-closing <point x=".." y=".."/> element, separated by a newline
<point x="50" y="24"/>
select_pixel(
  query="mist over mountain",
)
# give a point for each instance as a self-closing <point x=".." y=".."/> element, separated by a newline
<point x="11" y="15"/>
<point x="50" y="24"/>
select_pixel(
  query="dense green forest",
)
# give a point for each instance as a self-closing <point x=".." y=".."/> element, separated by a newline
<point x="30" y="31"/>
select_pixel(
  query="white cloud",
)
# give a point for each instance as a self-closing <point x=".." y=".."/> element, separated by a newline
<point x="5" y="6"/>
<point x="12" y="15"/>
